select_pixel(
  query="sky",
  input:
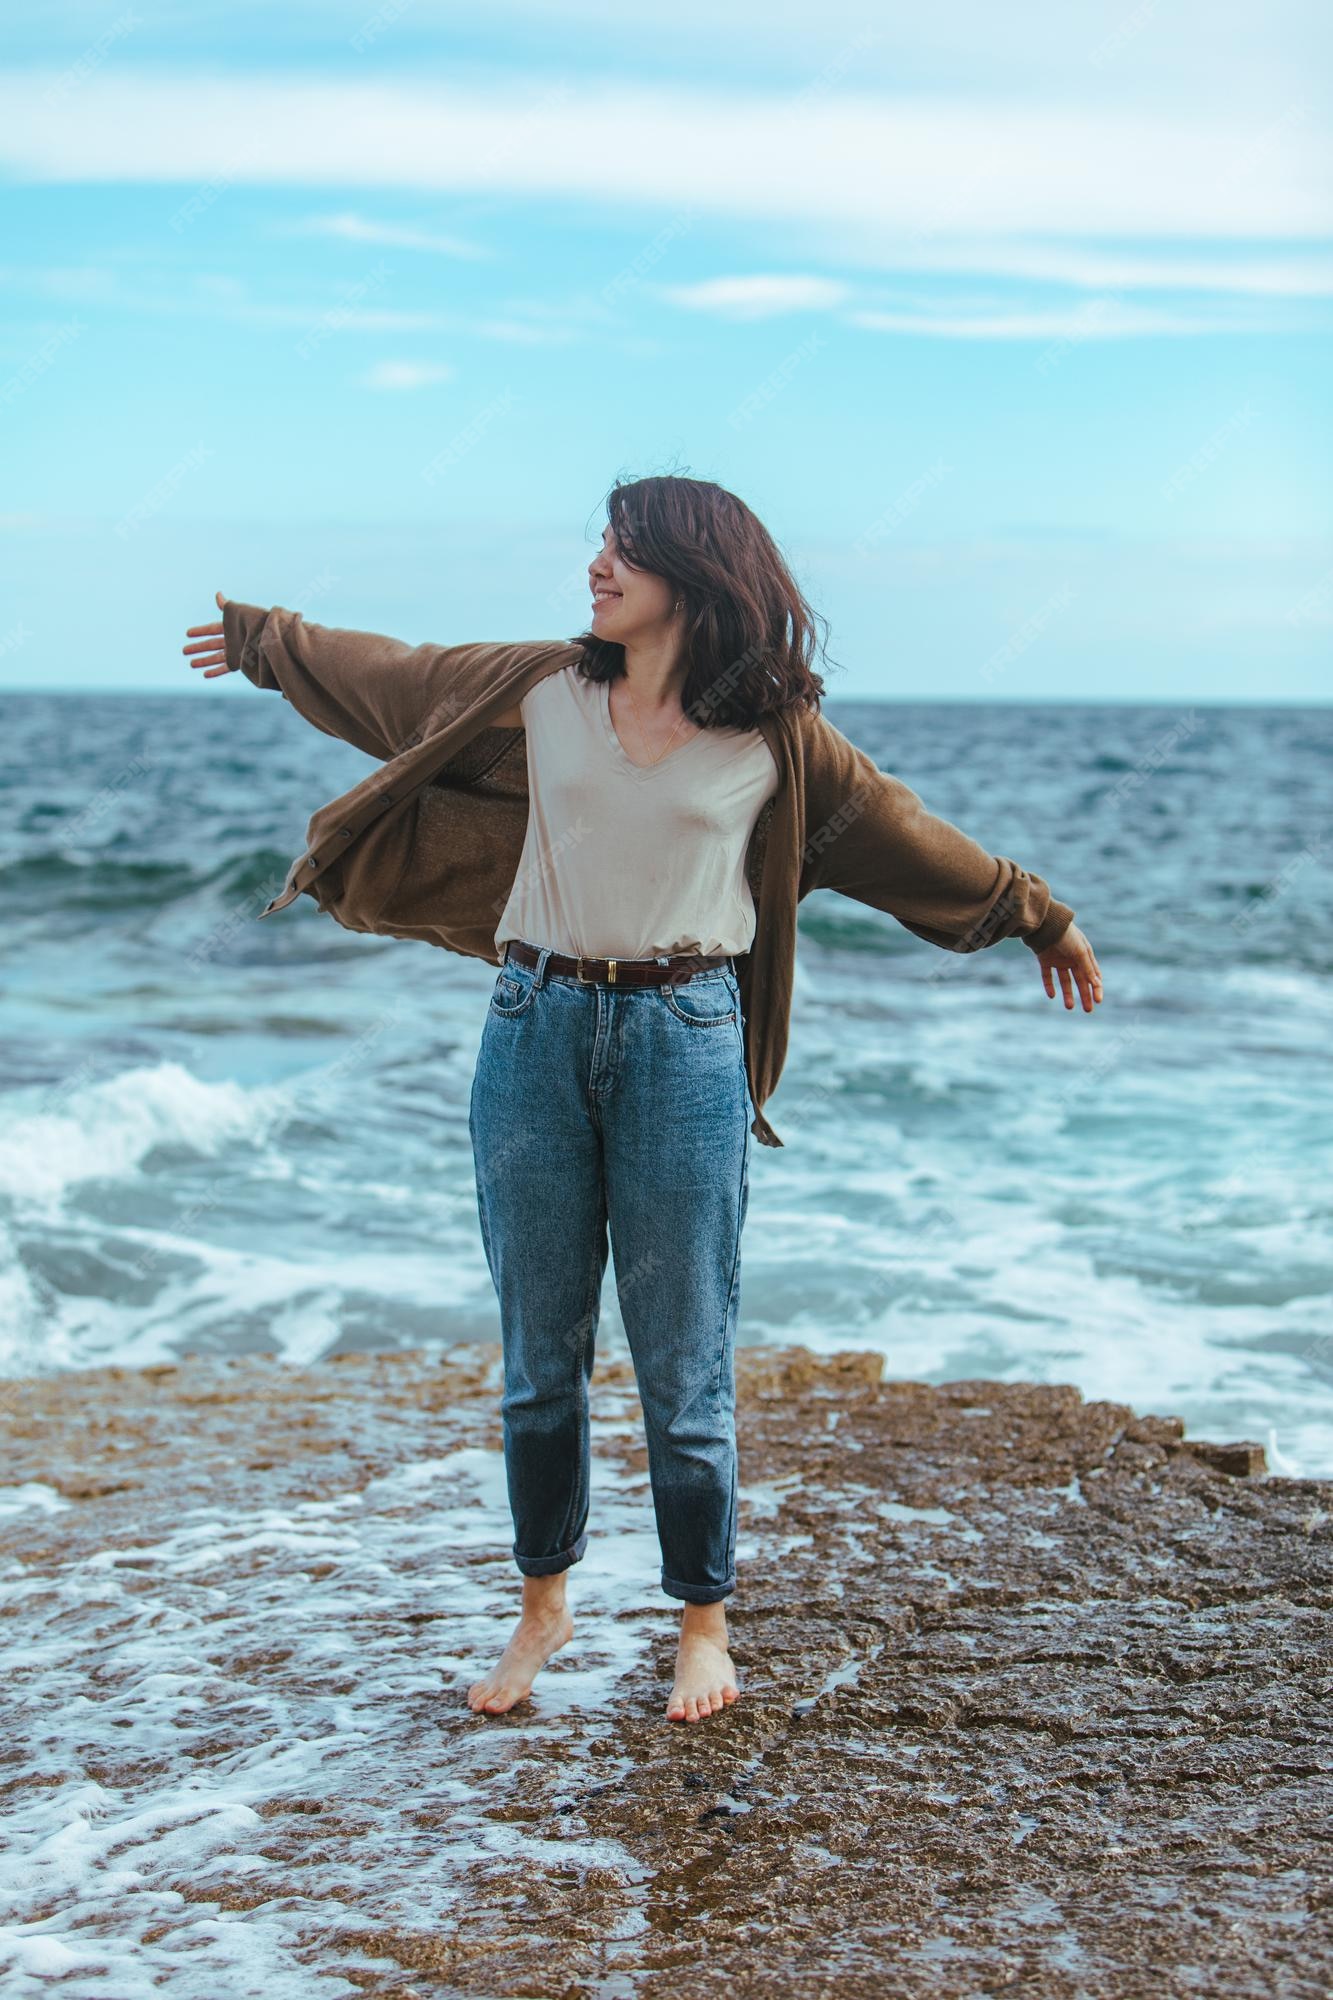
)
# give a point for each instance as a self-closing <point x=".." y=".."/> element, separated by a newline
<point x="1012" y="324"/>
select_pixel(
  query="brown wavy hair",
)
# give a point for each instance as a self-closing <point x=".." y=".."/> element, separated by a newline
<point x="749" y="632"/>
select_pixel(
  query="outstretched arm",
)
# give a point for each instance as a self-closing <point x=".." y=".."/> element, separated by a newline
<point x="368" y="690"/>
<point x="870" y="837"/>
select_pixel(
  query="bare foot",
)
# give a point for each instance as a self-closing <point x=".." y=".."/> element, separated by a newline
<point x="543" y="1628"/>
<point x="705" y="1678"/>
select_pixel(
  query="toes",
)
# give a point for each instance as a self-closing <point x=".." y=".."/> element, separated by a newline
<point x="486" y="1699"/>
<point x="730" y="1692"/>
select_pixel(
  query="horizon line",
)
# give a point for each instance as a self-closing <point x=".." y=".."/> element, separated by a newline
<point x="889" y="700"/>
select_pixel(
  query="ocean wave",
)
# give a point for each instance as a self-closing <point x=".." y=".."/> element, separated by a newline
<point x="60" y="878"/>
<point x="840" y="925"/>
<point x="85" y="1129"/>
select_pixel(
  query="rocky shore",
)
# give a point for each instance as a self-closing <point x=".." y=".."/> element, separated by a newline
<point x="1035" y="1700"/>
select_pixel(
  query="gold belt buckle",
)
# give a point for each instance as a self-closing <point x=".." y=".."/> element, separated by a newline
<point x="610" y="970"/>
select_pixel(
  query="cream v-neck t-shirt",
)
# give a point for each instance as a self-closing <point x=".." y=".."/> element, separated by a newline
<point x="629" y="861"/>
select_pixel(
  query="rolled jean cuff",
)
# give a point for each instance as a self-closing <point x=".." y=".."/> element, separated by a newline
<point x="552" y="1565"/>
<point x="697" y="1593"/>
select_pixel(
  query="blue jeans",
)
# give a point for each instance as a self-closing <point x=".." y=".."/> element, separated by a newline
<point x="594" y="1105"/>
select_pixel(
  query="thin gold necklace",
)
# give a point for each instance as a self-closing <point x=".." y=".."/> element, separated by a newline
<point x="638" y="720"/>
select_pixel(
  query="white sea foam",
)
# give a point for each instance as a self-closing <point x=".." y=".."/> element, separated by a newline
<point x="103" y="1130"/>
<point x="217" y="1630"/>
<point x="32" y="1495"/>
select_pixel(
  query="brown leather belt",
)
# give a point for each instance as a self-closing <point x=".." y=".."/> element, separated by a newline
<point x="668" y="970"/>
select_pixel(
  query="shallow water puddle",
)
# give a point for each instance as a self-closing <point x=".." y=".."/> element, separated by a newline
<point x="250" y="1671"/>
<point x="846" y="1675"/>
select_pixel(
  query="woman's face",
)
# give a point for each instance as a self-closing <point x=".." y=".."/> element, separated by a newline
<point x="628" y="603"/>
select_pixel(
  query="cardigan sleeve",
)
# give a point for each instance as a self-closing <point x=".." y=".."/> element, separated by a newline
<point x="869" y="836"/>
<point x="371" y="691"/>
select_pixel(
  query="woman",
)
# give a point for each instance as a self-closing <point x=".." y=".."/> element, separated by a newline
<point x="638" y="1021"/>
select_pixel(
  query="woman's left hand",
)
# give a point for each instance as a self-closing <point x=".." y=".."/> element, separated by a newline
<point x="1072" y="958"/>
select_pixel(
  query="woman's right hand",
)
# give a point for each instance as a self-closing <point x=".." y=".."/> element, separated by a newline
<point x="212" y="654"/>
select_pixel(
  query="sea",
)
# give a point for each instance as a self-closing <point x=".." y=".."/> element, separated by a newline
<point x="222" y="1135"/>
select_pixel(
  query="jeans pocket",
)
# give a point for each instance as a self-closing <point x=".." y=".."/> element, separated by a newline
<point x="706" y="1001"/>
<point x="513" y="990"/>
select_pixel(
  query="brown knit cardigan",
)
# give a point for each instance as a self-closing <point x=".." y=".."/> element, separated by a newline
<point x="428" y="845"/>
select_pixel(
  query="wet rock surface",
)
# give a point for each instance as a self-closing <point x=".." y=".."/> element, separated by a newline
<point x="1035" y="1699"/>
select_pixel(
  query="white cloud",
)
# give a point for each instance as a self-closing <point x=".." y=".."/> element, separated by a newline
<point x="352" y="228"/>
<point x="928" y="167"/>
<point x="1096" y="319"/>
<point x="757" y="297"/>
<point x="225" y="297"/>
<point x="1091" y="268"/>
<point x="976" y="317"/>
<point x="1229" y="52"/>
<point x="407" y="374"/>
